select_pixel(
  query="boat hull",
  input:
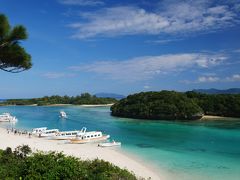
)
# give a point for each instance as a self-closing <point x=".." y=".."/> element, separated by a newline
<point x="62" y="137"/>
<point x="109" y="144"/>
<point x="83" y="141"/>
<point x="46" y="135"/>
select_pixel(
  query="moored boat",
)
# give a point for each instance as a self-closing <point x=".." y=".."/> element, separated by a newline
<point x="37" y="131"/>
<point x="63" y="114"/>
<point x="49" y="133"/>
<point x="7" y="117"/>
<point x="110" y="144"/>
<point x="66" y="135"/>
<point x="44" y="132"/>
<point x="91" y="136"/>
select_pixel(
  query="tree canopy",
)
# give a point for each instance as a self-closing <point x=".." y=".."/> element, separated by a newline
<point x="13" y="57"/>
<point x="164" y="105"/>
<point x="217" y="104"/>
<point x="84" y="98"/>
<point x="22" y="164"/>
<point x="170" y="105"/>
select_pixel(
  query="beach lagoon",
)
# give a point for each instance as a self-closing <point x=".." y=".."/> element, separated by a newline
<point x="179" y="150"/>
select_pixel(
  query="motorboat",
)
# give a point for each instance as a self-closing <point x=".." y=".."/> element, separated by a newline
<point x="110" y="144"/>
<point x="7" y="117"/>
<point x="63" y="114"/>
<point x="66" y="135"/>
<point x="44" y="132"/>
<point x="37" y="131"/>
<point x="48" y="133"/>
<point x="86" y="137"/>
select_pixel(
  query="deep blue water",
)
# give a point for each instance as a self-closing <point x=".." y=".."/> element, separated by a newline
<point x="180" y="150"/>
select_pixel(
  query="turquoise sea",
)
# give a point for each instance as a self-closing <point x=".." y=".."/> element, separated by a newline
<point x="179" y="150"/>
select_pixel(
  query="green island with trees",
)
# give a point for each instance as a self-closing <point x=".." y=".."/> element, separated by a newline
<point x="171" y="105"/>
<point x="21" y="163"/>
<point x="84" y="98"/>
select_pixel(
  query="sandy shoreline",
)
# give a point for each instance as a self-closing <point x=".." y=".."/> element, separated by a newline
<point x="83" y="151"/>
<point x="210" y="117"/>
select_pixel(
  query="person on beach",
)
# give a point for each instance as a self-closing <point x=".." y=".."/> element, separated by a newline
<point x="29" y="135"/>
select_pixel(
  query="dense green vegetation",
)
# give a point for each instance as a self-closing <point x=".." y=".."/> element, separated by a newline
<point x="13" y="57"/>
<point x="217" y="104"/>
<point x="170" y="105"/>
<point x="84" y="98"/>
<point x="166" y="105"/>
<point x="21" y="164"/>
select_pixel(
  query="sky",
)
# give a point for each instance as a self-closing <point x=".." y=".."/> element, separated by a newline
<point x="125" y="46"/>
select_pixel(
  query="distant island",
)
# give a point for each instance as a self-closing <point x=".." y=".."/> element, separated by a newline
<point x="83" y="99"/>
<point x="110" y="95"/>
<point x="218" y="91"/>
<point x="171" y="105"/>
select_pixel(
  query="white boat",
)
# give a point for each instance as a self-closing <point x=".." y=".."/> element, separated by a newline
<point x="37" y="131"/>
<point x="110" y="144"/>
<point x="63" y="114"/>
<point x="86" y="137"/>
<point x="7" y="117"/>
<point x="66" y="135"/>
<point x="44" y="132"/>
<point x="48" y="133"/>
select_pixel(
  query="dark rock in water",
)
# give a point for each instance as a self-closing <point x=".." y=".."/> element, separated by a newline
<point x="145" y="145"/>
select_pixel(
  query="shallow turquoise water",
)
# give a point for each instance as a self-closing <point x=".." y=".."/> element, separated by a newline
<point x="181" y="150"/>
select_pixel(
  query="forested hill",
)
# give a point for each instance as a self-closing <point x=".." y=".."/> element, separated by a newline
<point x="218" y="91"/>
<point x="227" y="105"/>
<point x="165" y="105"/>
<point x="84" y="98"/>
<point x="110" y="95"/>
<point x="171" y="105"/>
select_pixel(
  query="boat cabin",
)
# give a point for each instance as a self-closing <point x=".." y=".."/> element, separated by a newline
<point x="39" y="130"/>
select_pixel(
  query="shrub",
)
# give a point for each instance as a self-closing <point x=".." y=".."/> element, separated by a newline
<point x="20" y="164"/>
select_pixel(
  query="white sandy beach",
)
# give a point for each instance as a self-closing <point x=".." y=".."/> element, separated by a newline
<point x="210" y="117"/>
<point x="83" y="151"/>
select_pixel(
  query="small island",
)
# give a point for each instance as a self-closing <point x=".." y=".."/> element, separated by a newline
<point x="171" y="105"/>
<point x="83" y="99"/>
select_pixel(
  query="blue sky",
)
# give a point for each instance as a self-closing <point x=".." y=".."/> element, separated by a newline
<point x="125" y="46"/>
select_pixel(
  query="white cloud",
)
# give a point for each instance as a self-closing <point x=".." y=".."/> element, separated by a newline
<point x="237" y="51"/>
<point x="212" y="79"/>
<point x="147" y="67"/>
<point x="55" y="75"/>
<point x="164" y="41"/>
<point x="178" y="17"/>
<point x="204" y="79"/>
<point x="233" y="78"/>
<point x="146" y="87"/>
<point x="82" y="2"/>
